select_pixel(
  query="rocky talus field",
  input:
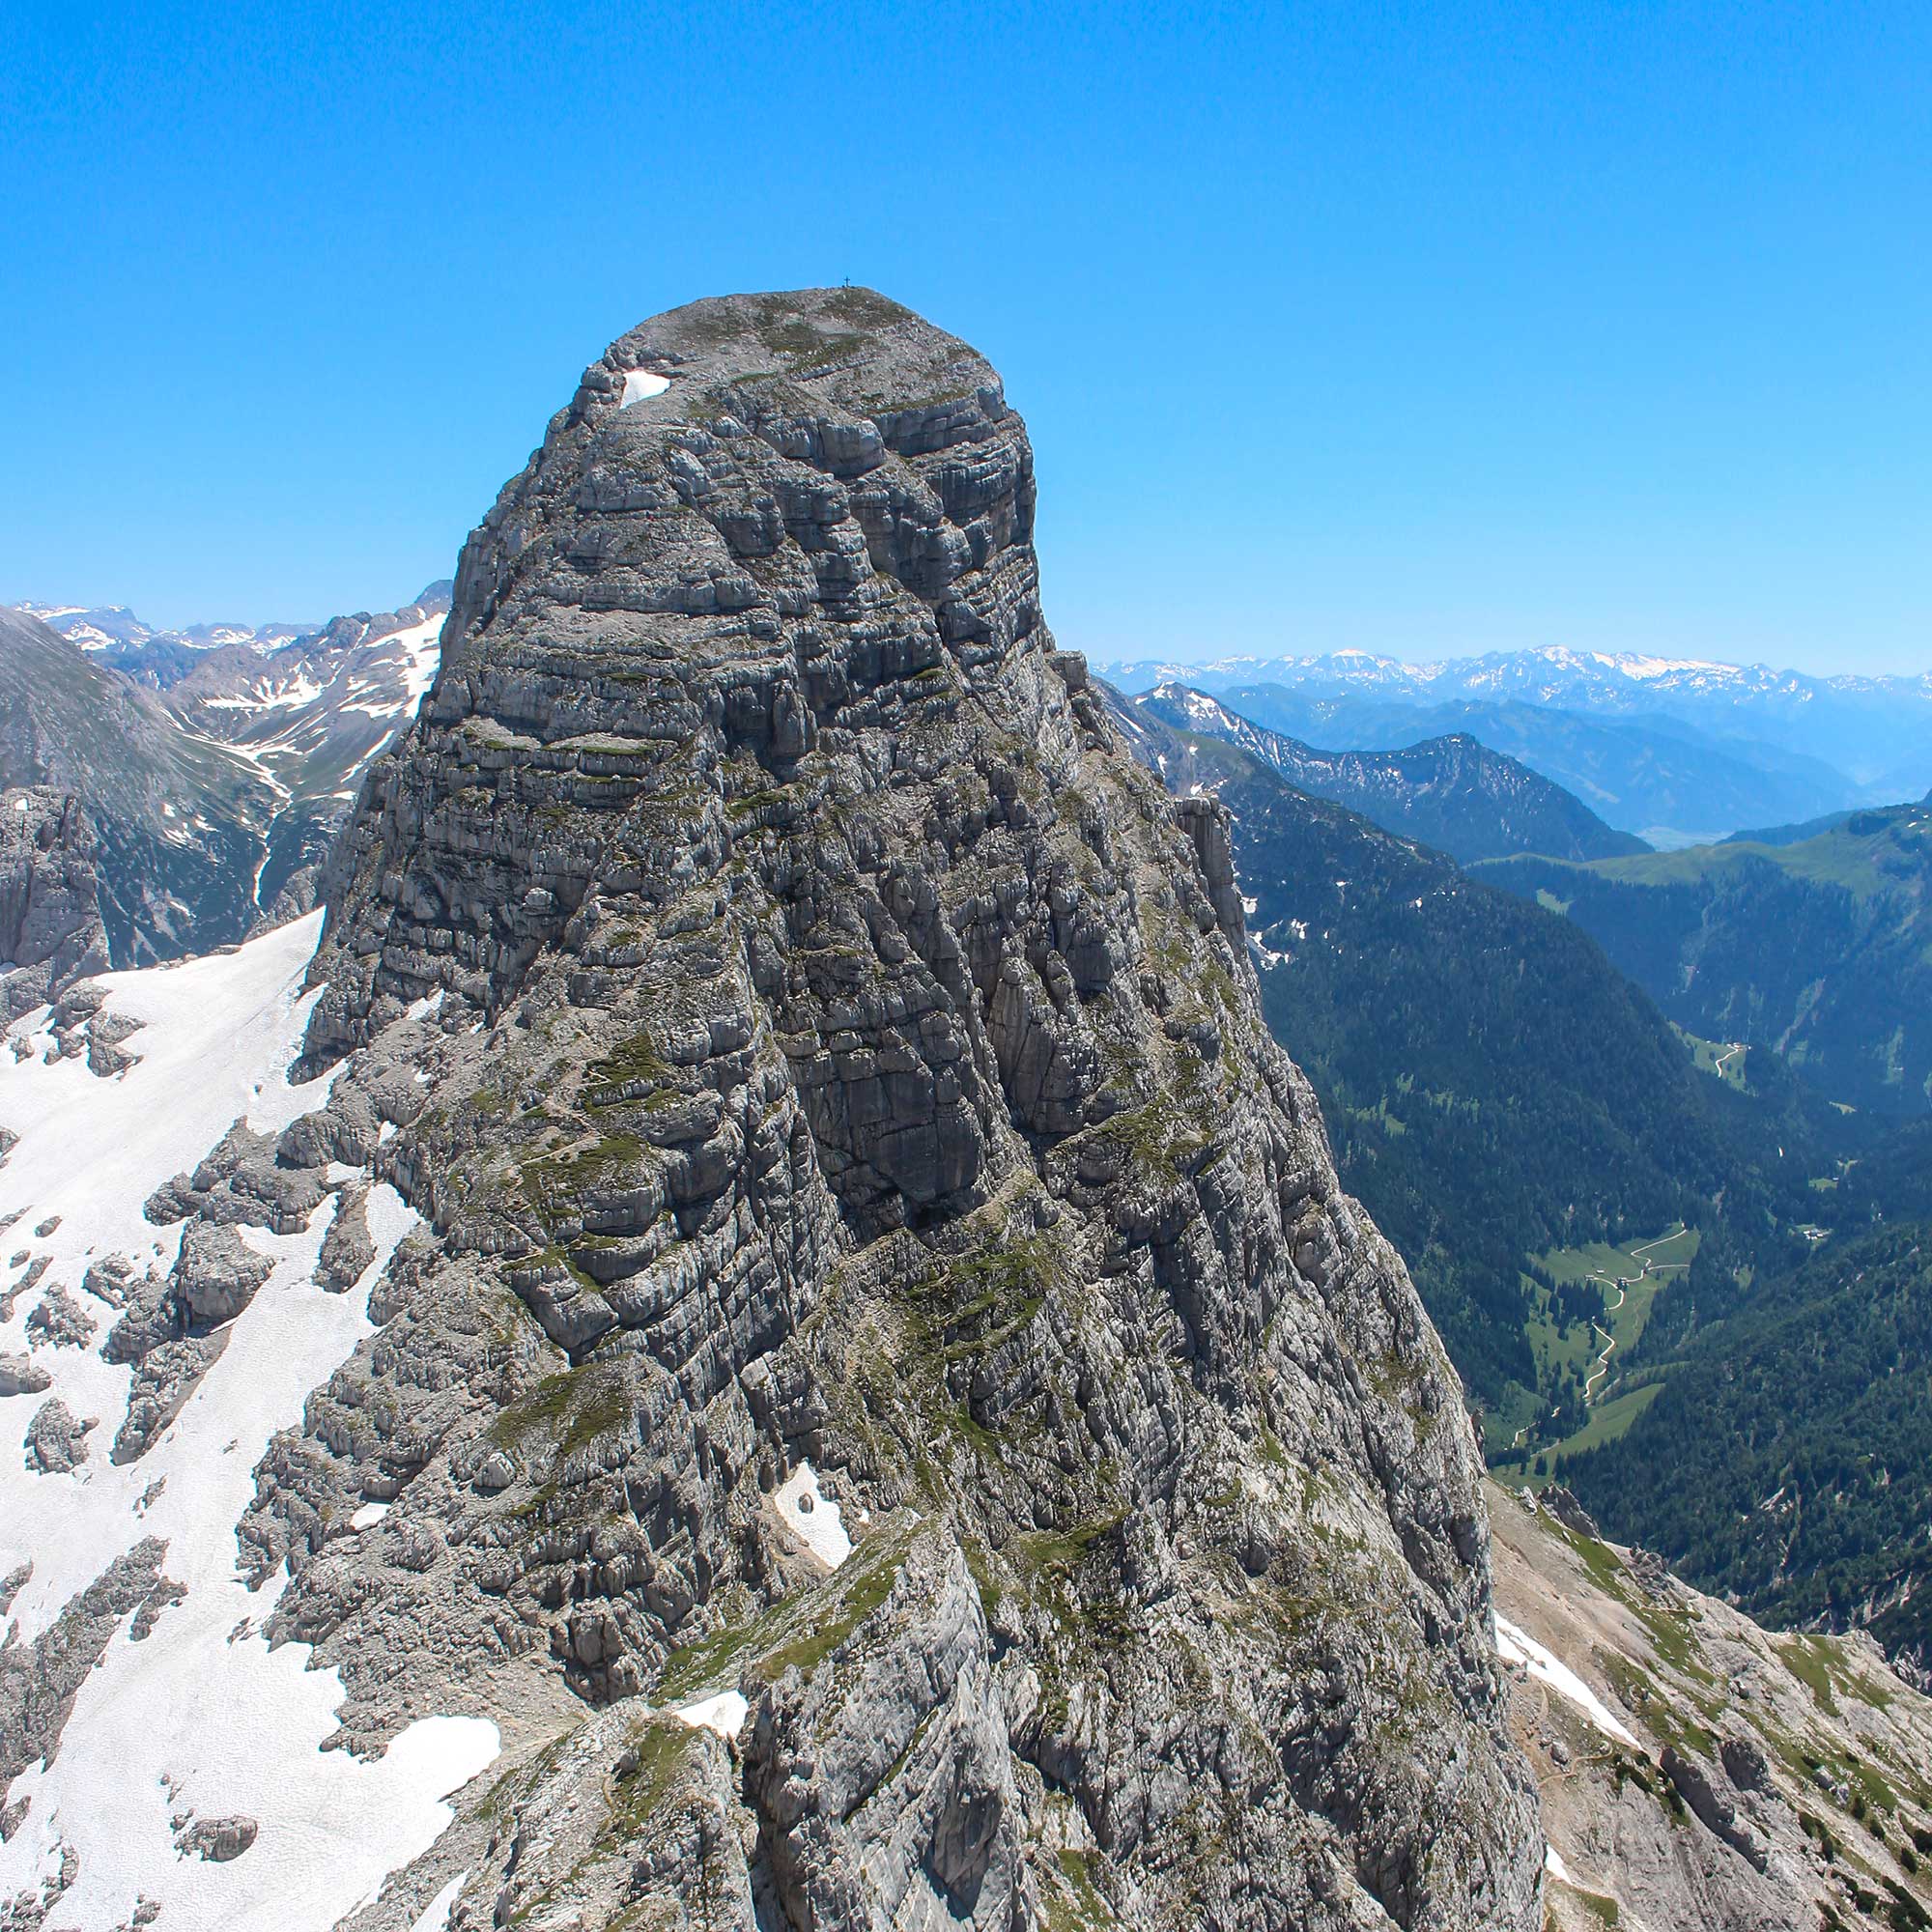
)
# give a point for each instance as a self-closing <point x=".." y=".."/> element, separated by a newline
<point x="1695" y="1770"/>
<point x="750" y="1331"/>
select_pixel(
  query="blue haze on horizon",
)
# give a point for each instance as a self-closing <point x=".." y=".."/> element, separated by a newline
<point x="1426" y="329"/>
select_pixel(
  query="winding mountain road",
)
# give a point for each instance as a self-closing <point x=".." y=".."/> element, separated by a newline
<point x="1622" y="1284"/>
<point x="1602" y="1367"/>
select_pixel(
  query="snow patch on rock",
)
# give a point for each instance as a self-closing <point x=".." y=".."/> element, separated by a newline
<point x="724" y="1714"/>
<point x="811" y="1517"/>
<point x="434" y="1916"/>
<point x="1513" y="1646"/>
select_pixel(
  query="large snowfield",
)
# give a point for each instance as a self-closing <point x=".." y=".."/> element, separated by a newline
<point x="200" y="1716"/>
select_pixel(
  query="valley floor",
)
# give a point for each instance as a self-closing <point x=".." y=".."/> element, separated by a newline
<point x="1631" y="1274"/>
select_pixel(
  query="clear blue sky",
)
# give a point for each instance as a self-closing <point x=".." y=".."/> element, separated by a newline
<point x="1422" y="328"/>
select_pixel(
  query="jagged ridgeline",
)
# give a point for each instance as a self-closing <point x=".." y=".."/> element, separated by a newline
<point x="834" y="1051"/>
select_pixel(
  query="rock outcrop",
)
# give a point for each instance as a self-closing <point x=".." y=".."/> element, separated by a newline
<point x="218" y="1840"/>
<point x="38" y="1681"/>
<point x="1697" y="1771"/>
<point x="57" y="1440"/>
<point x="22" y="1375"/>
<point x="50" y="928"/>
<point x="832" y="1075"/>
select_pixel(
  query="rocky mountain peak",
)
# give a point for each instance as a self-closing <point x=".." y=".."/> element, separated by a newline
<point x="800" y="1360"/>
<point x="823" y="514"/>
<point x="885" y="1300"/>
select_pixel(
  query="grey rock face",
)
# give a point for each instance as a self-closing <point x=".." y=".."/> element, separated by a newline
<point x="1768" y="1825"/>
<point x="22" y="1375"/>
<point x="348" y="1248"/>
<point x="635" y="1818"/>
<point x="810" y="1037"/>
<point x="216" y="1274"/>
<point x="60" y="1322"/>
<point x="164" y="1377"/>
<point x="50" y="928"/>
<point x="34" y="1269"/>
<point x="38" y="1681"/>
<point x="1715" y="1811"/>
<point x="1746" y="1764"/>
<point x="56" y="1440"/>
<point x="151" y="1315"/>
<point x="173" y="1328"/>
<point x="886" y="1790"/>
<point x="218" y="1840"/>
<point x="1566" y="1510"/>
<point x="177" y="835"/>
<point x="165" y="1594"/>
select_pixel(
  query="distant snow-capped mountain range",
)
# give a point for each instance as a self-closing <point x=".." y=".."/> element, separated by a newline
<point x="1672" y="747"/>
<point x="216" y="762"/>
<point x="110" y="627"/>
<point x="1552" y="674"/>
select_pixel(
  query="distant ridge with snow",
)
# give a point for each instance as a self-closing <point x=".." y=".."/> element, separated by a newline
<point x="153" y="656"/>
<point x="217" y="762"/>
<point x="1451" y="792"/>
<point x="1555" y="673"/>
<point x="1809" y="744"/>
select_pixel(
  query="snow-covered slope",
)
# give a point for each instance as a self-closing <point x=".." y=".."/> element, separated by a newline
<point x="189" y="1730"/>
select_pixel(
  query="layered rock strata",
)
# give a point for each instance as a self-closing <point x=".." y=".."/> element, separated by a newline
<point x="843" y="1119"/>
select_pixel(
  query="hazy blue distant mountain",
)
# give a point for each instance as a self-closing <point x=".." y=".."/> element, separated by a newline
<point x="1788" y="834"/>
<point x="1452" y="793"/>
<point x="1653" y="777"/>
<point x="1871" y="728"/>
<point x="1763" y="747"/>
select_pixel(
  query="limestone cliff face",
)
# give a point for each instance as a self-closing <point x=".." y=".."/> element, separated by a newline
<point x="50" y="928"/>
<point x="831" y="1049"/>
